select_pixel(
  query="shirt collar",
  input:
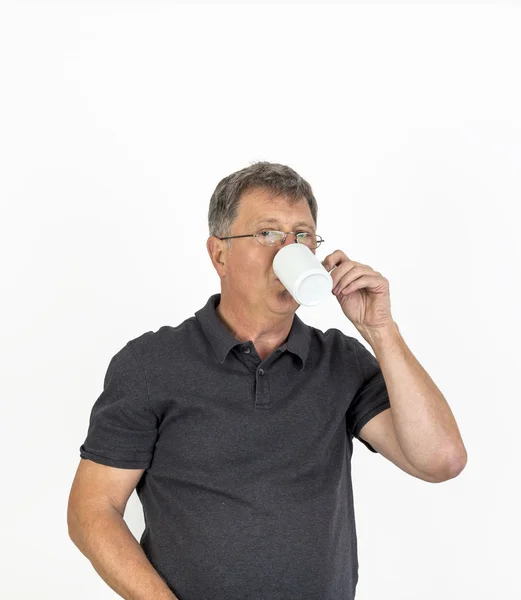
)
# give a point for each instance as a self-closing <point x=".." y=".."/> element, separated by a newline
<point x="222" y="341"/>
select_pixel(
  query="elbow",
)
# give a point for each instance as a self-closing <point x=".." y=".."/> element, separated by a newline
<point x="452" y="466"/>
<point x="76" y="522"/>
<point x="459" y="461"/>
<point x="72" y="524"/>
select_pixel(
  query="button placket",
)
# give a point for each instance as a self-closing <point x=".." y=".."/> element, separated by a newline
<point x="262" y="391"/>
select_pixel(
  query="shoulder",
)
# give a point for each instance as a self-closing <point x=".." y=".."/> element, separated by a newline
<point x="163" y="343"/>
<point x="335" y="339"/>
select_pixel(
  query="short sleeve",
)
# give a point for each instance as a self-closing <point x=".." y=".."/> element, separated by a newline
<point x="123" y="427"/>
<point x="371" y="398"/>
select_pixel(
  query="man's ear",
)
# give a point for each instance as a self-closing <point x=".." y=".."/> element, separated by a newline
<point x="217" y="253"/>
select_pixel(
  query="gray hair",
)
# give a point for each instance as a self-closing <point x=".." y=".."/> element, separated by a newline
<point x="281" y="180"/>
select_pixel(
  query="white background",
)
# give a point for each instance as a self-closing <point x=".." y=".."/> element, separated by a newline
<point x="118" y="120"/>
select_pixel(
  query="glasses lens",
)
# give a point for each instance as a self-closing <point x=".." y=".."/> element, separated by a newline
<point x="269" y="238"/>
<point x="274" y="238"/>
<point x="309" y="239"/>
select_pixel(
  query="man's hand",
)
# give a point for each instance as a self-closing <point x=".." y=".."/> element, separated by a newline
<point x="362" y="292"/>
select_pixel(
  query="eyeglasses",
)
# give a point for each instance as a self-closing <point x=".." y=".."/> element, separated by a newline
<point x="268" y="237"/>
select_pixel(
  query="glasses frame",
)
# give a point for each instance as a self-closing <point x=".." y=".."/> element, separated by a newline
<point x="285" y="235"/>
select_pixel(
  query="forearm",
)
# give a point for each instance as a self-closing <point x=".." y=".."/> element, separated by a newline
<point x="424" y="424"/>
<point x="105" y="539"/>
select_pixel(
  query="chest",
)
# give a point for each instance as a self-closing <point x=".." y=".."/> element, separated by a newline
<point x="236" y="420"/>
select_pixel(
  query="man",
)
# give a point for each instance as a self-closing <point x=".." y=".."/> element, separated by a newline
<point x="236" y="426"/>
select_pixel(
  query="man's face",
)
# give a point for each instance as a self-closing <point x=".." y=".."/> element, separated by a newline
<point x="248" y="272"/>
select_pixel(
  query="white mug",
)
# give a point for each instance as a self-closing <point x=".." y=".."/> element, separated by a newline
<point x="302" y="274"/>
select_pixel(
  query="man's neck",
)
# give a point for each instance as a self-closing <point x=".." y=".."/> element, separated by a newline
<point x="265" y="336"/>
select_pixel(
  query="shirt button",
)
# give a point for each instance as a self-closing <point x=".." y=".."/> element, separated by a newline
<point x="261" y="371"/>
<point x="247" y="350"/>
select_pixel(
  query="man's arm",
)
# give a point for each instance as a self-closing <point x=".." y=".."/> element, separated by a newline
<point x="105" y="539"/>
<point x="96" y="526"/>
<point x="422" y="421"/>
<point x="380" y="434"/>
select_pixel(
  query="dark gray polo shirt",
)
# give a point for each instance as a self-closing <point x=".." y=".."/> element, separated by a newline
<point x="247" y="485"/>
